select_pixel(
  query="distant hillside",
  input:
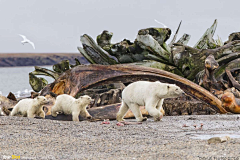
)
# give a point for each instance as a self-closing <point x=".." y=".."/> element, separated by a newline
<point x="38" y="59"/>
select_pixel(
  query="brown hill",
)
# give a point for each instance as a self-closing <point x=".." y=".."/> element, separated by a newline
<point x="38" y="59"/>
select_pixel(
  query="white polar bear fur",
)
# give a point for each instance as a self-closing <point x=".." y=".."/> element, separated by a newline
<point x="1" y="112"/>
<point x="30" y="107"/>
<point x="148" y="94"/>
<point x="69" y="105"/>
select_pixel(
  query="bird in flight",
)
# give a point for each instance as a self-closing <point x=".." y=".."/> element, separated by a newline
<point x="164" y="26"/>
<point x="25" y="40"/>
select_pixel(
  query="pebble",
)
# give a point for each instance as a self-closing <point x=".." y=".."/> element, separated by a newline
<point x="218" y="139"/>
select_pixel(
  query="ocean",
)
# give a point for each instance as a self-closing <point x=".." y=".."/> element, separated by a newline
<point x="16" y="80"/>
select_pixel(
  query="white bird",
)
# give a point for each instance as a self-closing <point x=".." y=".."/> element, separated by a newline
<point x="164" y="26"/>
<point x="25" y="40"/>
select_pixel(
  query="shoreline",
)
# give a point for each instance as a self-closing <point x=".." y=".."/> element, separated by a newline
<point x="25" y="66"/>
<point x="167" y="139"/>
<point x="37" y="59"/>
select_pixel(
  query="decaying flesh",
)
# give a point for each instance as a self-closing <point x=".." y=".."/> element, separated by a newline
<point x="230" y="103"/>
<point x="81" y="78"/>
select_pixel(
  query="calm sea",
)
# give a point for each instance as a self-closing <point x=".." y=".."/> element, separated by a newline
<point x="16" y="80"/>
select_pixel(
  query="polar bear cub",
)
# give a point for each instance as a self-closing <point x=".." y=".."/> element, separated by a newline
<point x="148" y="94"/>
<point x="30" y="107"/>
<point x="69" y="105"/>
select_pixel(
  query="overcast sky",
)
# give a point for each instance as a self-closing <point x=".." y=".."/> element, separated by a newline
<point x="56" y="25"/>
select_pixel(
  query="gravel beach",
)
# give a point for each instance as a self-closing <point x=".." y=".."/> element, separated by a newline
<point x="167" y="139"/>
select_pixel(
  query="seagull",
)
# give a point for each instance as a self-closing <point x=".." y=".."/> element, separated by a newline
<point x="164" y="26"/>
<point x="25" y="40"/>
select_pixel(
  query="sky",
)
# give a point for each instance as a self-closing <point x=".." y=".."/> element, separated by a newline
<point x="56" y="25"/>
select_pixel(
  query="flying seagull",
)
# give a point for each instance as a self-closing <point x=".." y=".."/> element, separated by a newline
<point x="25" y="40"/>
<point x="164" y="26"/>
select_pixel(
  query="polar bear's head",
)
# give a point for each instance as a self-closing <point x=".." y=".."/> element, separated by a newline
<point x="85" y="100"/>
<point x="41" y="100"/>
<point x="174" y="91"/>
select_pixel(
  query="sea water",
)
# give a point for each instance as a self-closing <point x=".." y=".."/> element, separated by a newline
<point x="16" y="80"/>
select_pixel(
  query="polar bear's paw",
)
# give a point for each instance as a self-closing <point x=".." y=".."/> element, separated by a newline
<point x="89" y="117"/>
<point x="54" y="114"/>
<point x="158" y="118"/>
<point x="120" y="119"/>
<point x="141" y="119"/>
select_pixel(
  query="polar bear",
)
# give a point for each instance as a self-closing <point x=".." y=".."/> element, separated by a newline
<point x="148" y="94"/>
<point x="30" y="107"/>
<point x="69" y="105"/>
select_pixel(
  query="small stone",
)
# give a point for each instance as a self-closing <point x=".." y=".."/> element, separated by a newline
<point x="191" y="118"/>
<point x="218" y="139"/>
<point x="185" y="125"/>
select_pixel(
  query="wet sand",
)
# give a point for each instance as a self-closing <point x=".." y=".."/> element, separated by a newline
<point x="168" y="139"/>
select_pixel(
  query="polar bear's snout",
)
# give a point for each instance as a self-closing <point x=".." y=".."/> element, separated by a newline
<point x="182" y="93"/>
<point x="92" y="101"/>
<point x="178" y="92"/>
<point x="44" y="100"/>
<point x="47" y="102"/>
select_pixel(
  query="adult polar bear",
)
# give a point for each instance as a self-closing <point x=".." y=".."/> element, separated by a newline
<point x="148" y="94"/>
